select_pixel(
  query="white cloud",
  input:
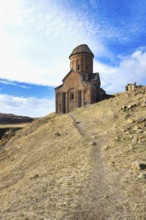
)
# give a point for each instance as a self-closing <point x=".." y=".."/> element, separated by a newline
<point x="131" y="69"/>
<point x="13" y="83"/>
<point x="26" y="106"/>
<point x="7" y="82"/>
<point x="36" y="39"/>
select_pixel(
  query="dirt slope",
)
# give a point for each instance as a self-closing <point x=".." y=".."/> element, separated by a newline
<point x="89" y="164"/>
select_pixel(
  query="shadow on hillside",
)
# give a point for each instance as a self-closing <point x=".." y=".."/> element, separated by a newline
<point x="108" y="96"/>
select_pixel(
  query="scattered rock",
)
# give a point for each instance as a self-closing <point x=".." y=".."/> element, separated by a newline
<point x="138" y="98"/>
<point x="94" y="136"/>
<point x="130" y="120"/>
<point x="136" y="93"/>
<point x="106" y="196"/>
<point x="142" y="176"/>
<point x="124" y="108"/>
<point x="57" y="134"/>
<point x="139" y="131"/>
<point x="117" y="138"/>
<point x="130" y="107"/>
<point x="136" y="127"/>
<point x="131" y="136"/>
<point x="141" y="119"/>
<point x="142" y="166"/>
<point x="127" y="116"/>
<point x="92" y="143"/>
<point x="138" y="165"/>
<point x="35" y="176"/>
<point x="131" y="147"/>
<point x="106" y="147"/>
<point x="134" y="140"/>
<point x="115" y="116"/>
<point x="143" y="104"/>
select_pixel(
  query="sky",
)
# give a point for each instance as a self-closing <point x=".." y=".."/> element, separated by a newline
<point x="37" y="37"/>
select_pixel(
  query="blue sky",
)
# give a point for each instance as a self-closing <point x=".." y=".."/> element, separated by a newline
<point x="37" y="37"/>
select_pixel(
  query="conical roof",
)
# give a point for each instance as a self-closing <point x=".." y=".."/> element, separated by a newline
<point x="83" y="48"/>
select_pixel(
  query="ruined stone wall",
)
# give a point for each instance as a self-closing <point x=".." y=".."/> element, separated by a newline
<point x="131" y="87"/>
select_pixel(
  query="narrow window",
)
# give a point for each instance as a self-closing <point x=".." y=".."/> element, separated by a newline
<point x="78" y="67"/>
<point x="71" y="96"/>
<point x="86" y="67"/>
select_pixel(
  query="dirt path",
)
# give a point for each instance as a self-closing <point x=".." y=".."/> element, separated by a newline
<point x="103" y="198"/>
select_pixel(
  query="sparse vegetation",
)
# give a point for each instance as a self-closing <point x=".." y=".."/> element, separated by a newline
<point x="88" y="164"/>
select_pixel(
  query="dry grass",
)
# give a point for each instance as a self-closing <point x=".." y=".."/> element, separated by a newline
<point x="77" y="166"/>
<point x="20" y="125"/>
<point x="41" y="173"/>
<point x="123" y="149"/>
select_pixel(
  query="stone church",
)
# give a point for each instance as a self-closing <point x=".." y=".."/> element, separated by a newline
<point x="80" y="86"/>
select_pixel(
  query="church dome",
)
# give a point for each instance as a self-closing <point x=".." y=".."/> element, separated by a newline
<point x="83" y="48"/>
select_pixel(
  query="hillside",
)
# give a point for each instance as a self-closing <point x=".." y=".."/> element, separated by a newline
<point x="10" y="124"/>
<point x="88" y="164"/>
<point x="14" y="119"/>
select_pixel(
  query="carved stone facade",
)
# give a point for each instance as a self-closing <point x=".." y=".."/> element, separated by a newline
<point x="80" y="86"/>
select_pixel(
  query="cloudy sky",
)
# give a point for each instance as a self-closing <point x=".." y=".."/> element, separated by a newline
<point x="37" y="37"/>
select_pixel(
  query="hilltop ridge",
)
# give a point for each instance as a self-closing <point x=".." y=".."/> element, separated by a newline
<point x="14" y="119"/>
<point x="88" y="164"/>
<point x="10" y="124"/>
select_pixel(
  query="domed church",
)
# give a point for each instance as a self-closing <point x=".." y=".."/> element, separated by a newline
<point x="80" y="86"/>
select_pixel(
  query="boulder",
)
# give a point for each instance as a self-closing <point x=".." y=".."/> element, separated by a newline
<point x="142" y="166"/>
<point x="92" y="143"/>
<point x="142" y="176"/>
<point x="130" y="120"/>
<point x="141" y="119"/>
<point x="143" y="104"/>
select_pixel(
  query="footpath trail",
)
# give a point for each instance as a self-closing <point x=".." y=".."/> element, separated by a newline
<point x="84" y="165"/>
<point x="102" y="197"/>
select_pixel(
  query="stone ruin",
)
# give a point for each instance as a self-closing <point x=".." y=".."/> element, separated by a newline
<point x="132" y="87"/>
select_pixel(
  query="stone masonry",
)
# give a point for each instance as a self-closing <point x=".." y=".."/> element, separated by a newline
<point x="80" y="86"/>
